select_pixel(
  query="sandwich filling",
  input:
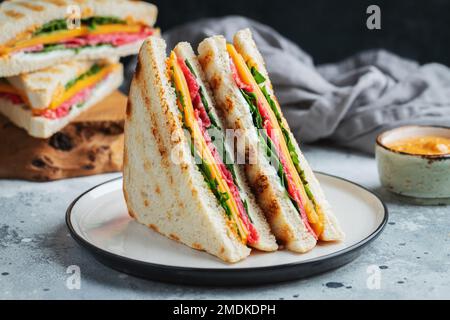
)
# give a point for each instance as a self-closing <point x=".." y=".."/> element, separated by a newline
<point x="220" y="177"/>
<point x="75" y="93"/>
<point x="92" y="32"/>
<point x="275" y="136"/>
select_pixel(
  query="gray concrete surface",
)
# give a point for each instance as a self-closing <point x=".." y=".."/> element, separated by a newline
<point x="413" y="253"/>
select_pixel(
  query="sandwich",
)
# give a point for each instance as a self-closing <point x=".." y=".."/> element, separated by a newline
<point x="37" y="34"/>
<point x="283" y="182"/>
<point x="43" y="102"/>
<point x="179" y="174"/>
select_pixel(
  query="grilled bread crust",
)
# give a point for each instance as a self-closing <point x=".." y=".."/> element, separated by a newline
<point x="163" y="186"/>
<point x="281" y="214"/>
<point x="246" y="46"/>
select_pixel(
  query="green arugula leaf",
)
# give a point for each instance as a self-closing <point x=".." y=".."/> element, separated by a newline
<point x="91" y="23"/>
<point x="259" y="78"/>
<point x="250" y="97"/>
<point x="246" y="210"/>
<point x="208" y="109"/>
<point x="52" y="47"/>
<point x="188" y="64"/>
<point x="52" y="26"/>
<point x="92" y="71"/>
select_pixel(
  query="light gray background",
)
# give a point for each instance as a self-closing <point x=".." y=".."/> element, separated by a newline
<point x="36" y="249"/>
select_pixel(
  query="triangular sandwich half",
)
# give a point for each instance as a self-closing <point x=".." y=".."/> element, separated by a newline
<point x="175" y="180"/>
<point x="45" y="101"/>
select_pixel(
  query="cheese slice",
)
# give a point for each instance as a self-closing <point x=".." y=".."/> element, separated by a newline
<point x="77" y="87"/>
<point x="80" y="85"/>
<point x="59" y="36"/>
<point x="202" y="147"/>
<point x="313" y="217"/>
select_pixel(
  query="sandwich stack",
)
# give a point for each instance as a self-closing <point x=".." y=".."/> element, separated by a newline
<point x="59" y="59"/>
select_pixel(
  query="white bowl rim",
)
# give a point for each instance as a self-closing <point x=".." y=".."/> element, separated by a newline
<point x="380" y="137"/>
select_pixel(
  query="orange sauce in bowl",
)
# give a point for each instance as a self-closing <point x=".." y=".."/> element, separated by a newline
<point x="423" y="145"/>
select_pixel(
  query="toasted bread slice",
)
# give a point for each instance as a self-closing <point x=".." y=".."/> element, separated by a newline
<point x="163" y="187"/>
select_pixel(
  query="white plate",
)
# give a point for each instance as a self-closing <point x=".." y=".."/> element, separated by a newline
<point x="99" y="221"/>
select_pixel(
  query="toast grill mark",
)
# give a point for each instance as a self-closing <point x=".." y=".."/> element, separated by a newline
<point x="229" y="105"/>
<point x="261" y="184"/>
<point x="128" y="110"/>
<point x="216" y="82"/>
<point x="30" y="6"/>
<point x="14" y="14"/>
<point x="206" y="61"/>
<point x="138" y="70"/>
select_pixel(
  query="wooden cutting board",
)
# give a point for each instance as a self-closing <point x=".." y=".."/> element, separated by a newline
<point x="91" y="144"/>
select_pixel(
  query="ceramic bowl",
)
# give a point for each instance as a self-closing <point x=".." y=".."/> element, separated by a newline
<point x="425" y="178"/>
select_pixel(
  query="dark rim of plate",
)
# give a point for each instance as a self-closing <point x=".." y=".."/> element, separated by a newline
<point x="330" y="256"/>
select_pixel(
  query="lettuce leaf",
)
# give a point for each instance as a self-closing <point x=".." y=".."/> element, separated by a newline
<point x="52" y="26"/>
<point x="259" y="78"/>
<point x="92" y="71"/>
<point x="203" y="98"/>
<point x="91" y="23"/>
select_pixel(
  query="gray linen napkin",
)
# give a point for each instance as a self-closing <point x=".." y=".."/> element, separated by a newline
<point x="349" y="102"/>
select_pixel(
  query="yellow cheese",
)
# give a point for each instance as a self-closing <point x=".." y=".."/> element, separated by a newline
<point x="77" y="87"/>
<point x="313" y="218"/>
<point x="59" y="36"/>
<point x="201" y="146"/>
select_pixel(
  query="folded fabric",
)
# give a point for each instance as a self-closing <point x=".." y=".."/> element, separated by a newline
<point x="349" y="102"/>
